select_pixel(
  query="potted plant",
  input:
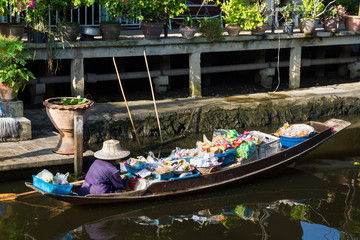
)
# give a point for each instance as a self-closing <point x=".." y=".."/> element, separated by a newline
<point x="115" y="9"/>
<point x="37" y="17"/>
<point x="211" y="29"/>
<point x="153" y="14"/>
<point x="332" y="17"/>
<point x="352" y="20"/>
<point x="13" y="27"/>
<point x="68" y="31"/>
<point x="233" y="15"/>
<point x="310" y="11"/>
<point x="61" y="111"/>
<point x="13" y="73"/>
<point x="260" y="18"/>
<point x="188" y="27"/>
<point x="289" y="12"/>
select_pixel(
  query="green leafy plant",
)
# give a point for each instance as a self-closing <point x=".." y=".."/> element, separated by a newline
<point x="211" y="29"/>
<point x="115" y="9"/>
<point x="64" y="6"/>
<point x="336" y="12"/>
<point x="289" y="11"/>
<point x="233" y="11"/>
<point x="313" y="8"/>
<point x="13" y="57"/>
<point x="352" y="6"/>
<point x="156" y="10"/>
<point x="73" y="101"/>
<point x="189" y="21"/>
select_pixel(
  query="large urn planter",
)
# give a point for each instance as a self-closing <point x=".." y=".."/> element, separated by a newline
<point x="233" y="30"/>
<point x="110" y="31"/>
<point x="307" y="25"/>
<point x="7" y="93"/>
<point x="39" y="37"/>
<point x="188" y="32"/>
<point x="152" y="30"/>
<point x="352" y="23"/>
<point x="62" y="116"/>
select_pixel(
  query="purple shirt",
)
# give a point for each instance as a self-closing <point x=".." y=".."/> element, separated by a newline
<point x="102" y="177"/>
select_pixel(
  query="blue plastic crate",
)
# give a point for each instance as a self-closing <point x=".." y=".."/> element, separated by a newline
<point x="287" y="142"/>
<point x="164" y="176"/>
<point x="51" y="188"/>
<point x="133" y="170"/>
<point x="227" y="157"/>
<point x="195" y="174"/>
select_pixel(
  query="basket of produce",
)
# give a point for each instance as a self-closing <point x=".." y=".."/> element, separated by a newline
<point x="291" y="135"/>
<point x="134" y="165"/>
<point x="163" y="173"/>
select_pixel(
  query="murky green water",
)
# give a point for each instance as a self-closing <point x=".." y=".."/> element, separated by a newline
<point x="319" y="198"/>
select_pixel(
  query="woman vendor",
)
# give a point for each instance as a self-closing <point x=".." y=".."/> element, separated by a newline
<point x="104" y="174"/>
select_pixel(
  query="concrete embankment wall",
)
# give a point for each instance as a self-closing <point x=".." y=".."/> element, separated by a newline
<point x="178" y="116"/>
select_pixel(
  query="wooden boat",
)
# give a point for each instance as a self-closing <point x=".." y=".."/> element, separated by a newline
<point x="232" y="174"/>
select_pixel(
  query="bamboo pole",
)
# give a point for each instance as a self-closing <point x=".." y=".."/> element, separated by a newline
<point x="153" y="96"/>
<point x="127" y="106"/>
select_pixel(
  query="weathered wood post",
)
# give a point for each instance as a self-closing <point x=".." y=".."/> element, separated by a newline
<point x="295" y="66"/>
<point x="195" y="74"/>
<point x="77" y="77"/>
<point x="78" y="143"/>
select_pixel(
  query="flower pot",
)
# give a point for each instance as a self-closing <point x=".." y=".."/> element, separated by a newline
<point x="16" y="30"/>
<point x="288" y="28"/>
<point x="110" y="31"/>
<point x="233" y="30"/>
<point x="63" y="119"/>
<point x="188" y="32"/>
<point x="7" y="93"/>
<point x="331" y="25"/>
<point x="307" y="25"/>
<point x="260" y="30"/>
<point x="70" y="32"/>
<point x="152" y="30"/>
<point x="39" y="37"/>
<point x="352" y="23"/>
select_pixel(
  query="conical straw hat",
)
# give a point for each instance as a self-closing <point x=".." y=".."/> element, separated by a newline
<point x="111" y="150"/>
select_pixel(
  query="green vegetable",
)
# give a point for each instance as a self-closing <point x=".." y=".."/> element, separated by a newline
<point x="73" y="101"/>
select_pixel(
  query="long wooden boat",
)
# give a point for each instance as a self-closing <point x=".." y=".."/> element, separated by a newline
<point x="236" y="173"/>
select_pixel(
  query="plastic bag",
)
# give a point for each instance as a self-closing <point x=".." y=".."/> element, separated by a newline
<point x="61" y="179"/>
<point x="46" y="176"/>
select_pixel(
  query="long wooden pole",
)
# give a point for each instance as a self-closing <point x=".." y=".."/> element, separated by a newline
<point x="153" y="96"/>
<point x="127" y="106"/>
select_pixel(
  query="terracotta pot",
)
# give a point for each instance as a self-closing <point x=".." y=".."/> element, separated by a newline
<point x="188" y="32"/>
<point x="307" y="25"/>
<point x="63" y="119"/>
<point x="7" y="93"/>
<point x="288" y="28"/>
<point x="110" y="31"/>
<point x="331" y="25"/>
<point x="70" y="32"/>
<point x="260" y="30"/>
<point x="352" y="23"/>
<point x="233" y="30"/>
<point x="152" y="30"/>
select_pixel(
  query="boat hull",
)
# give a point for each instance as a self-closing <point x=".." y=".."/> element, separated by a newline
<point x="253" y="170"/>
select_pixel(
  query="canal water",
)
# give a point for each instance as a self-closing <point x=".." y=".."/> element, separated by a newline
<point x="318" y="198"/>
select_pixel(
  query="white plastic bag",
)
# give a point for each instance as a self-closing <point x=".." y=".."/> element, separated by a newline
<point x="61" y="179"/>
<point x="46" y="176"/>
